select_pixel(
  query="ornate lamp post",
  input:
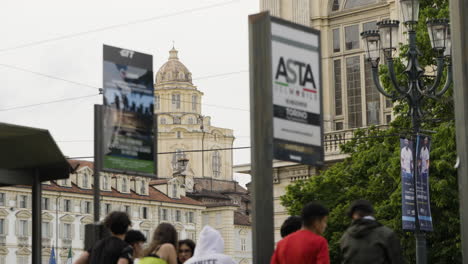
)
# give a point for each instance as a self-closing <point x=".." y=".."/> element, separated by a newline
<point x="416" y="90"/>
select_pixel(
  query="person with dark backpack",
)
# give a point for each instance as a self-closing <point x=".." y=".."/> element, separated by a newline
<point x="367" y="241"/>
<point x="110" y="250"/>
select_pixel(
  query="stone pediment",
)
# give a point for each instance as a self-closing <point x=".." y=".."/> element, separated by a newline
<point x="64" y="253"/>
<point x="23" y="251"/>
<point x="86" y="220"/>
<point x="3" y="213"/>
<point x="86" y="170"/>
<point x="179" y="227"/>
<point x="67" y="218"/>
<point x="24" y="214"/>
<point x="146" y="225"/>
<point x="47" y="217"/>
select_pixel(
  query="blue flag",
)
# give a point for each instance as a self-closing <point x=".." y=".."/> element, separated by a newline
<point x="52" y="257"/>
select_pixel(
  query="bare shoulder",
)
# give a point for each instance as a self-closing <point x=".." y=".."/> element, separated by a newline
<point x="167" y="246"/>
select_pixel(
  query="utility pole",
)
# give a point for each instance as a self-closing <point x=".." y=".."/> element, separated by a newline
<point x="459" y="25"/>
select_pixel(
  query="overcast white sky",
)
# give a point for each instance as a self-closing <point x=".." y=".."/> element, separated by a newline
<point x="211" y="40"/>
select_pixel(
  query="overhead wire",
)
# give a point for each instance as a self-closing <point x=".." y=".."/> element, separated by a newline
<point x="101" y="29"/>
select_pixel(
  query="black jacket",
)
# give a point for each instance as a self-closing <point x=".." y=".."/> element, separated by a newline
<point x="368" y="241"/>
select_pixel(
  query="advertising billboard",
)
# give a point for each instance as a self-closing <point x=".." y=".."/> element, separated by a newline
<point x="128" y="117"/>
<point x="297" y="93"/>
<point x="423" y="146"/>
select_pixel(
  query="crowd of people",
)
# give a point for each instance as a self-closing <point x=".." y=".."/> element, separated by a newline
<point x="366" y="241"/>
<point x="126" y="246"/>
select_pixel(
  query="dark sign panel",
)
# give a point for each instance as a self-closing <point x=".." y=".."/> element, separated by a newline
<point x="128" y="119"/>
<point x="423" y="145"/>
<point x="407" y="184"/>
<point x="297" y="93"/>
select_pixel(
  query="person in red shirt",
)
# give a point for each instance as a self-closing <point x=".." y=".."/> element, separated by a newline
<point x="305" y="246"/>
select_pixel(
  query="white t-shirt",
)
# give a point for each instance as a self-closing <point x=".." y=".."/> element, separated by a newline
<point x="424" y="156"/>
<point x="406" y="159"/>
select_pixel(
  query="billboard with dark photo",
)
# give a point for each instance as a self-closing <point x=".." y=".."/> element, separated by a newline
<point x="128" y="119"/>
<point x="423" y="145"/>
<point x="407" y="185"/>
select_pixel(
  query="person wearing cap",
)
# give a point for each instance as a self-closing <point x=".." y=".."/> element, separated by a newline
<point x="367" y="241"/>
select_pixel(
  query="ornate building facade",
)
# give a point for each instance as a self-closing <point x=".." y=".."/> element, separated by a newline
<point x="350" y="100"/>
<point x="204" y="193"/>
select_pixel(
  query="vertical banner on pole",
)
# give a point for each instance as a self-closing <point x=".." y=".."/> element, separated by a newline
<point x="407" y="185"/>
<point x="422" y="183"/>
<point x="128" y="118"/>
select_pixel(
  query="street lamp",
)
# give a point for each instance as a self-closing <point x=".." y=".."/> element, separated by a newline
<point x="415" y="91"/>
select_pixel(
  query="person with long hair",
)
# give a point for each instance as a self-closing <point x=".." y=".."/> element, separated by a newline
<point x="162" y="248"/>
<point x="186" y="249"/>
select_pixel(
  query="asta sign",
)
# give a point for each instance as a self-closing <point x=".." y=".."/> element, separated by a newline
<point x="297" y="94"/>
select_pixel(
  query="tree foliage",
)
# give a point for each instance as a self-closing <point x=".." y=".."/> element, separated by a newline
<point x="372" y="169"/>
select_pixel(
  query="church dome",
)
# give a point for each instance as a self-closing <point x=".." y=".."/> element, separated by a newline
<point x="173" y="70"/>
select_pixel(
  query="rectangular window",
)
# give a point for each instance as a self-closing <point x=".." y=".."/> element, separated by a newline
<point x="194" y="102"/>
<point x="45" y="230"/>
<point x="144" y="212"/>
<point x="352" y="37"/>
<point x="2" y="226"/>
<point x="336" y="5"/>
<point x="243" y="244"/>
<point x="336" y="40"/>
<point x="205" y="220"/>
<point x="87" y="207"/>
<point x="157" y="99"/>
<point x="45" y="203"/>
<point x="108" y="208"/>
<point x="339" y="126"/>
<point x="23" y="228"/>
<point x="388" y="118"/>
<point x="178" y="216"/>
<point x="2" y="199"/>
<point x="218" y="219"/>
<point x="176" y="101"/>
<point x="67" y="207"/>
<point x="164" y="214"/>
<point x="388" y="103"/>
<point x="190" y="217"/>
<point x="22" y="260"/>
<point x="23" y="201"/>
<point x="353" y="88"/>
<point x="338" y="88"/>
<point x="372" y="97"/>
<point x="174" y="191"/>
<point x="67" y="231"/>
<point x="128" y="210"/>
<point x="369" y="26"/>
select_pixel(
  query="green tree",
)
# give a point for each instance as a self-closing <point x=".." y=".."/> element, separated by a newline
<point x="372" y="169"/>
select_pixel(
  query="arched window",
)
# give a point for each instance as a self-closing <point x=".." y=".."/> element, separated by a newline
<point x="157" y="100"/>
<point x="190" y="120"/>
<point x="124" y="185"/>
<point x="216" y="164"/>
<point x="163" y="120"/>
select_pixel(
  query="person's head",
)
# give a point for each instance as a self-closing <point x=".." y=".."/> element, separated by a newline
<point x="136" y="239"/>
<point x="314" y="217"/>
<point x="186" y="249"/>
<point x="290" y="225"/>
<point x="360" y="209"/>
<point x="117" y="222"/>
<point x="406" y="142"/>
<point x="164" y="233"/>
<point x="426" y="141"/>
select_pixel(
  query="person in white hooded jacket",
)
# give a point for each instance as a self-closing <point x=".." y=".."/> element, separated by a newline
<point x="210" y="248"/>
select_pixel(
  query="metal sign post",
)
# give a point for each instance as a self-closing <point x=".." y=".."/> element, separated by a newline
<point x="459" y="24"/>
<point x="261" y="127"/>
<point x="286" y="112"/>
